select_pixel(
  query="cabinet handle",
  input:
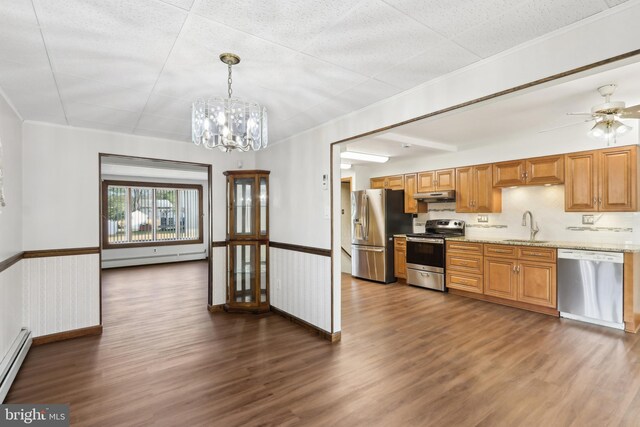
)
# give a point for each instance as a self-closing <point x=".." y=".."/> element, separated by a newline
<point x="435" y="182"/>
<point x="595" y="200"/>
<point x="524" y="176"/>
<point x="518" y="269"/>
<point x="600" y="201"/>
<point x="514" y="268"/>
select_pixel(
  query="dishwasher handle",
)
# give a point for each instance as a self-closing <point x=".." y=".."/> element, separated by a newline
<point x="581" y="255"/>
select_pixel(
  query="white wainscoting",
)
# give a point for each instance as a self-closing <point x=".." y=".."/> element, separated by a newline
<point x="219" y="266"/>
<point x="11" y="316"/>
<point x="300" y="284"/>
<point x="61" y="293"/>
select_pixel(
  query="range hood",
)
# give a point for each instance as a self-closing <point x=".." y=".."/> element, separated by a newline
<point x="436" y="196"/>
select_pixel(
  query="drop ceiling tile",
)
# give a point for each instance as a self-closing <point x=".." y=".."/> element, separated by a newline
<point x="371" y="38"/>
<point x="101" y="126"/>
<point x="20" y="38"/>
<point x="166" y="106"/>
<point x="164" y="124"/>
<point x="123" y="43"/>
<point x="529" y="20"/>
<point x="452" y="17"/>
<point x="98" y="114"/>
<point x="182" y="4"/>
<point x="438" y="59"/>
<point x="79" y="90"/>
<point x="32" y="90"/>
<point x="291" y="23"/>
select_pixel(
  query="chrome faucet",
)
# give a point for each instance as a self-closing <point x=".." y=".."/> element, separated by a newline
<point x="533" y="230"/>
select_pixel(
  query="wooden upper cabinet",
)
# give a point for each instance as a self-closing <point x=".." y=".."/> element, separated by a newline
<point x="536" y="171"/>
<point x="377" y="183"/>
<point x="618" y="187"/>
<point x="486" y="198"/>
<point x="581" y="182"/>
<point x="508" y="174"/>
<point x="545" y="170"/>
<point x="464" y="190"/>
<point x="412" y="205"/>
<point x="440" y="180"/>
<point x="426" y="182"/>
<point x="392" y="182"/>
<point x="605" y="180"/>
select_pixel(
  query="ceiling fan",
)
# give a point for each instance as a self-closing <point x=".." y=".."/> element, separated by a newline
<point x="608" y="114"/>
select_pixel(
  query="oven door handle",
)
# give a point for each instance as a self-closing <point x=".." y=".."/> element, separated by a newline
<point x="425" y="240"/>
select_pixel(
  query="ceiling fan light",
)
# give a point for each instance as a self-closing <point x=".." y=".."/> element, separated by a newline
<point x="600" y="130"/>
<point x="620" y="128"/>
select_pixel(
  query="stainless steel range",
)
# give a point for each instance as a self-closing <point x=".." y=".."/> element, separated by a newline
<point x="426" y="253"/>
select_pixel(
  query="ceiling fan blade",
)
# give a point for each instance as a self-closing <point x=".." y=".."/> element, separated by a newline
<point x="579" y="114"/>
<point x="631" y="112"/>
<point x="566" y="125"/>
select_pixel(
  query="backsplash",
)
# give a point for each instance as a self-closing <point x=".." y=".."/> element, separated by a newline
<point x="547" y="206"/>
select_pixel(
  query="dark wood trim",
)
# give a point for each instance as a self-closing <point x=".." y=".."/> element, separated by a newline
<point x="217" y="308"/>
<point x="10" y="261"/>
<point x="248" y="172"/>
<point x="153" y="159"/>
<point x="144" y="184"/>
<point x="331" y="337"/>
<point x="299" y="248"/>
<point x="219" y="244"/>
<point x="510" y="303"/>
<point x="45" y="253"/>
<point x="67" y="335"/>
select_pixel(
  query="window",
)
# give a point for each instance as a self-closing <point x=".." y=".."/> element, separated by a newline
<point x="146" y="213"/>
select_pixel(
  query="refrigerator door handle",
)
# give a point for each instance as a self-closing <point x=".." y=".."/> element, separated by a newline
<point x="366" y="249"/>
<point x="366" y="216"/>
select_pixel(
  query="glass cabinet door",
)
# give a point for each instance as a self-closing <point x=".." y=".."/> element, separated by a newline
<point x="264" y="263"/>
<point x="264" y="206"/>
<point x="243" y="207"/>
<point x="244" y="280"/>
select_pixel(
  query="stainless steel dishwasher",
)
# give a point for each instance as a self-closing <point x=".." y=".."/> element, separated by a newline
<point x="590" y="286"/>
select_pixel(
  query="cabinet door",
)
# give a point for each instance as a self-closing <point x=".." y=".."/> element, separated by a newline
<point x="464" y="282"/>
<point x="426" y="182"/>
<point x="618" y="180"/>
<point x="508" y="174"/>
<point x="486" y="198"/>
<point x="445" y="180"/>
<point x="464" y="192"/>
<point x="242" y="207"/>
<point x="243" y="280"/>
<point x="400" y="258"/>
<point x="500" y="279"/>
<point x="537" y="283"/>
<point x="412" y="205"/>
<point x="394" y="182"/>
<point x="581" y="182"/>
<point x="377" y="183"/>
<point x="545" y="170"/>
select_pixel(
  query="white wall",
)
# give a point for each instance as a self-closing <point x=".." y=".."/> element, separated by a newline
<point x="298" y="162"/>
<point x="10" y="226"/>
<point x="61" y="196"/>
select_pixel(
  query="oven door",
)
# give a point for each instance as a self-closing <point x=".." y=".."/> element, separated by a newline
<point x="424" y="251"/>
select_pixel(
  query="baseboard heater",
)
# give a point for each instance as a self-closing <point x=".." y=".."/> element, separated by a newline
<point x="13" y="360"/>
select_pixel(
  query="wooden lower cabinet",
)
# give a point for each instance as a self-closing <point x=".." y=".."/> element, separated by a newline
<point x="537" y="283"/>
<point x="400" y="257"/>
<point x="500" y="278"/>
<point x="521" y="276"/>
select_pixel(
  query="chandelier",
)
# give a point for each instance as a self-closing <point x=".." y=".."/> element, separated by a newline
<point x="229" y="123"/>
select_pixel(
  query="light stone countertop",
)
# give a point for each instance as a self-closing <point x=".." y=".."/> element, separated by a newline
<point x="587" y="246"/>
<point x="400" y="235"/>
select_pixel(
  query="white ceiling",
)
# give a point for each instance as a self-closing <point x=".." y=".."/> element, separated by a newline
<point x="135" y="66"/>
<point x="537" y="112"/>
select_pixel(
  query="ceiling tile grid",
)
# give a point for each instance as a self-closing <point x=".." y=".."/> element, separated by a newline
<point x="136" y="65"/>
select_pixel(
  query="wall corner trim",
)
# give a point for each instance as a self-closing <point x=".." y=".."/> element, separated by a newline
<point x="331" y="337"/>
<point x="67" y="335"/>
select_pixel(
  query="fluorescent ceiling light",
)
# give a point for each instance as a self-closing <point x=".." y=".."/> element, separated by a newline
<point x="345" y="166"/>
<point x="352" y="155"/>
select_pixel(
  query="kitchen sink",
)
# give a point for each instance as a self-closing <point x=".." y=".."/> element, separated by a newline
<point x="525" y="241"/>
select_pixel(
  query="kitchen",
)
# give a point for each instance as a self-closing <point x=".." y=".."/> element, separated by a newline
<point x="526" y="211"/>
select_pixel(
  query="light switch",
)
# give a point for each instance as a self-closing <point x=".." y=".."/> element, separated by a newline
<point x="587" y="219"/>
<point x="483" y="218"/>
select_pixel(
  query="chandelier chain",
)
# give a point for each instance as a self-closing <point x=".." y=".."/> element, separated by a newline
<point x="229" y="81"/>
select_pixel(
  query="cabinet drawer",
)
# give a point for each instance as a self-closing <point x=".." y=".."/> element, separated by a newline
<point x="500" y="251"/>
<point x="465" y="263"/>
<point x="464" y="247"/>
<point x="534" y="253"/>
<point x="465" y="282"/>
<point x="400" y="242"/>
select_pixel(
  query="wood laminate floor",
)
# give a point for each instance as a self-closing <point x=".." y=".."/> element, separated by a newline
<point x="408" y="357"/>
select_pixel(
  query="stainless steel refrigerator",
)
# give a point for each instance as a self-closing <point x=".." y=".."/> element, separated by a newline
<point x="376" y="215"/>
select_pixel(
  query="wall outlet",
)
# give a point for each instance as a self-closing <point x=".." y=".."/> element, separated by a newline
<point x="483" y="218"/>
<point x="587" y="219"/>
